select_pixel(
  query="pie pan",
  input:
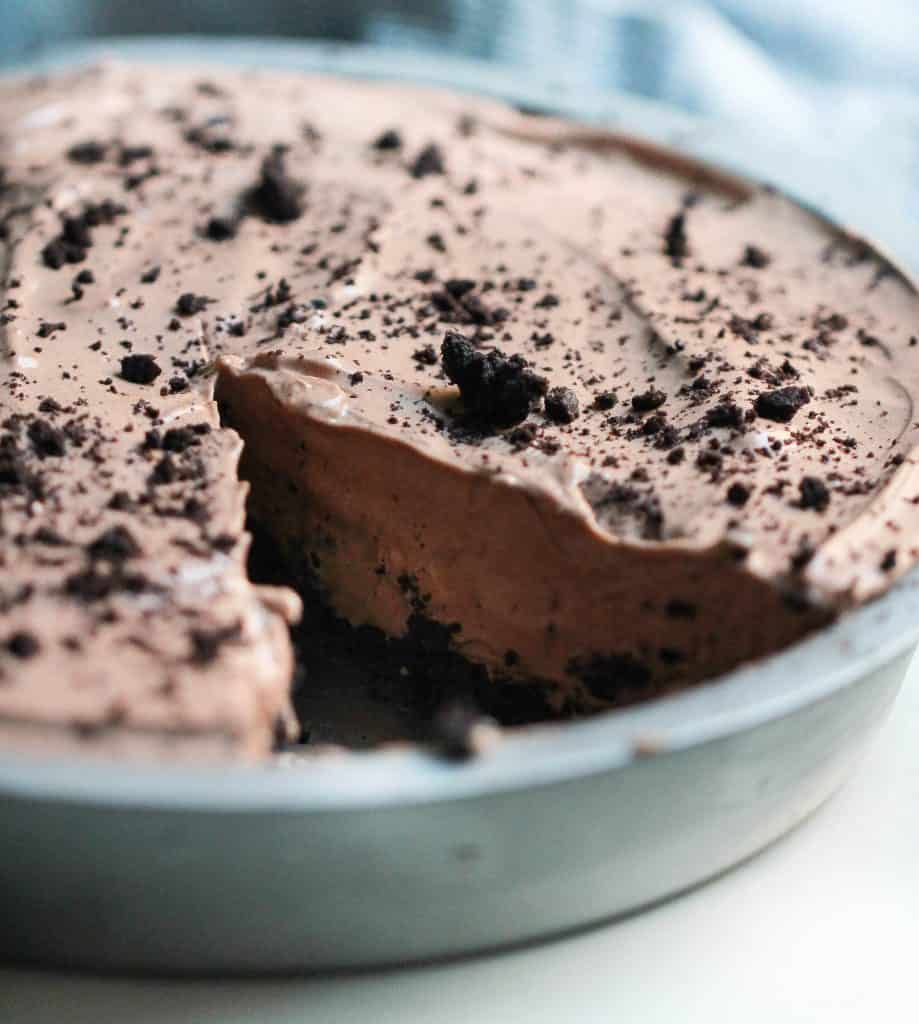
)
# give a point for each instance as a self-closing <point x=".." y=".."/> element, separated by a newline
<point x="392" y="856"/>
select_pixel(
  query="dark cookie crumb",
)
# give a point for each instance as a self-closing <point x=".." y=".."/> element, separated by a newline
<point x="47" y="440"/>
<point x="188" y="304"/>
<point x="390" y="139"/>
<point x="93" y="585"/>
<point x="427" y="355"/>
<point x="738" y="495"/>
<point x="725" y="414"/>
<point x="676" y="244"/>
<point x="605" y="400"/>
<point x="755" y="257"/>
<point x="206" y="643"/>
<point x="814" y="493"/>
<point x="116" y="544"/>
<point x="277" y="197"/>
<point x="221" y="229"/>
<point x="782" y="404"/>
<point x="497" y="390"/>
<point x="46" y="329"/>
<point x="648" y="400"/>
<point x="429" y="161"/>
<point x="522" y="436"/>
<point x="561" y="405"/>
<point x="140" y="368"/>
<point x="23" y="644"/>
<point x="90" y="152"/>
<point x="178" y="439"/>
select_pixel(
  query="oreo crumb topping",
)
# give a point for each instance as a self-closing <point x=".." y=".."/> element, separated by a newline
<point x="389" y="140"/>
<point x="23" y="644"/>
<point x="116" y="544"/>
<point x="781" y="405"/>
<point x="139" y="368"/>
<point x="497" y="390"/>
<point x="97" y="584"/>
<point x="426" y="355"/>
<point x="188" y="304"/>
<point x="755" y="257"/>
<point x="222" y="229"/>
<point x="75" y="239"/>
<point x="429" y="161"/>
<point x="648" y="400"/>
<point x="738" y="495"/>
<point x="47" y="441"/>
<point x="89" y="152"/>
<point x="725" y="414"/>
<point x="561" y="405"/>
<point x="277" y="197"/>
<point x="676" y="244"/>
<point x="605" y="400"/>
<point x="206" y="643"/>
<point x="179" y="439"/>
<point x="814" y="493"/>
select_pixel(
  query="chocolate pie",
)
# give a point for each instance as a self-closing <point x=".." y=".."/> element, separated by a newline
<point x="597" y="422"/>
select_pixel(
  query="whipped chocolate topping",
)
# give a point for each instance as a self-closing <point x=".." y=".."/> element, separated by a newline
<point x="599" y="417"/>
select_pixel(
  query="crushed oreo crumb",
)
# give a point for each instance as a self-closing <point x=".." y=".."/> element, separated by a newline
<point x="47" y="441"/>
<point x="23" y="644"/>
<point x="188" y="304"/>
<point x="738" y="495"/>
<point x="90" y="152"/>
<point x="755" y="257"/>
<point x="390" y="139"/>
<point x="277" y="197"/>
<point x="782" y="404"/>
<point x="648" y="400"/>
<point x="429" y="161"/>
<point x="427" y="355"/>
<point x="116" y="544"/>
<point x="497" y="390"/>
<point x="725" y="414"/>
<point x="140" y="368"/>
<point x="676" y="244"/>
<point x="814" y="493"/>
<point x="605" y="400"/>
<point x="561" y="405"/>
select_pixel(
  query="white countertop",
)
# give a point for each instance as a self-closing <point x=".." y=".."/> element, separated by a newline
<point x="824" y="926"/>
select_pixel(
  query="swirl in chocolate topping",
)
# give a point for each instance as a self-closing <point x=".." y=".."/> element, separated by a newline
<point x="630" y="421"/>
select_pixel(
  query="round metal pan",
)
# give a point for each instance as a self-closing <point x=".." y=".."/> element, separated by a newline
<point x="394" y="856"/>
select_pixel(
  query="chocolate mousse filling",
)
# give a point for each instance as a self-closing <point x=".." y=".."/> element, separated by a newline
<point x="534" y="418"/>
